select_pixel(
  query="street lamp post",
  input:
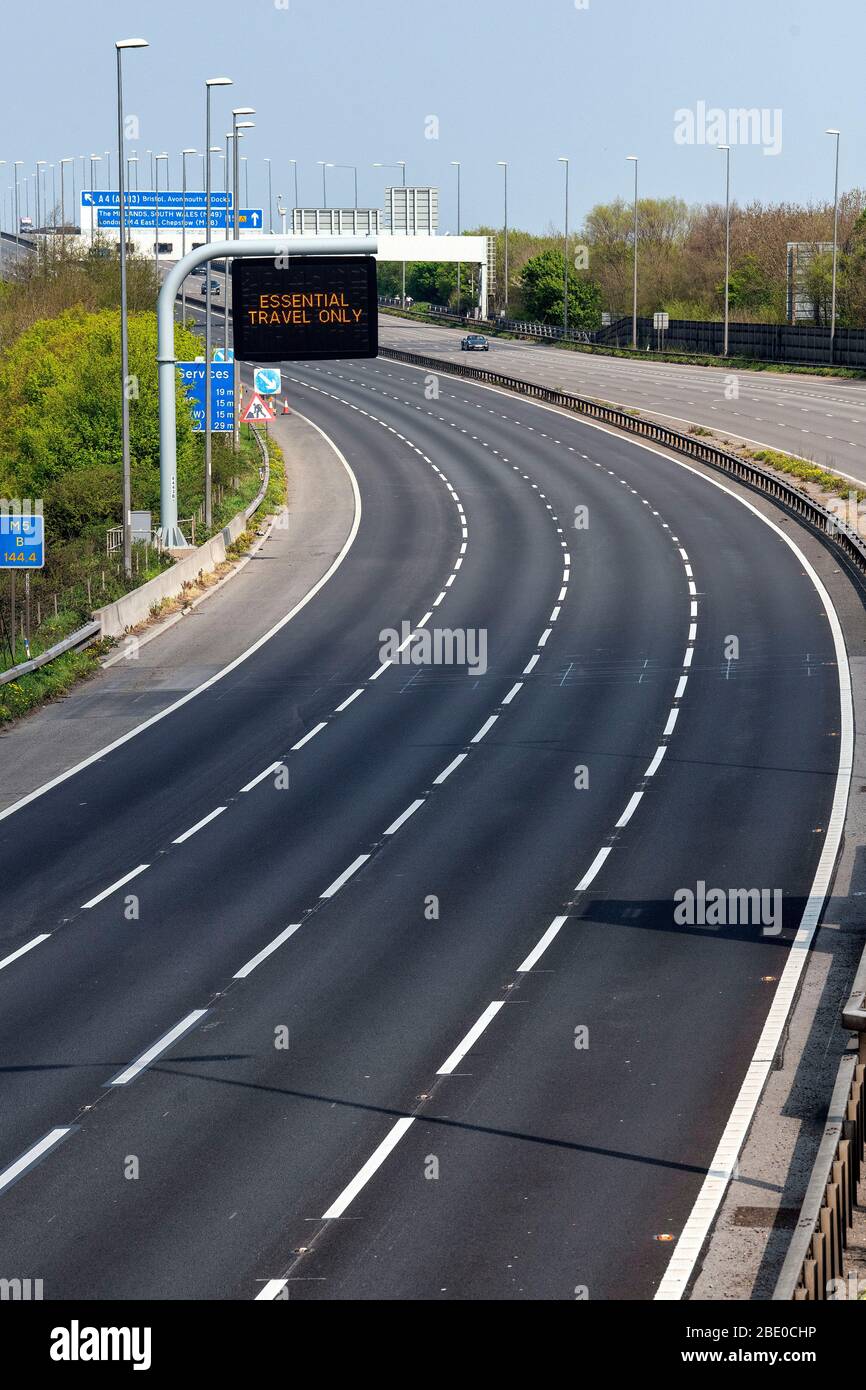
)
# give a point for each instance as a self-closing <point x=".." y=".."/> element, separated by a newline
<point x="634" y="160"/>
<point x="503" y="163"/>
<point x="294" y="164"/>
<point x="238" y="126"/>
<point x="94" y="159"/>
<point x="15" y="167"/>
<point x="120" y="45"/>
<point x="456" y="164"/>
<point x="563" y="159"/>
<point x="39" y="164"/>
<point x="183" y="155"/>
<point x="156" y="214"/>
<point x="727" y="152"/>
<point x="228" y="163"/>
<point x="836" y="133"/>
<point x="325" y="166"/>
<point x="208" y="461"/>
<point x="70" y="159"/>
<point x="270" y="199"/>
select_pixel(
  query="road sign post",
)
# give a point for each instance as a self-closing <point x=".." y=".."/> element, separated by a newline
<point x="22" y="547"/>
<point x="284" y="250"/>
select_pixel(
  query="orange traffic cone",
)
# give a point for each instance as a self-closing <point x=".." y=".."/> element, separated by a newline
<point x="286" y="410"/>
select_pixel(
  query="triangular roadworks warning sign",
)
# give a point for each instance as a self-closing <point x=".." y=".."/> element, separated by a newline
<point x="258" y="409"/>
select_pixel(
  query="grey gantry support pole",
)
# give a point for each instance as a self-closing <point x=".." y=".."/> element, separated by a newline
<point x="170" y="534"/>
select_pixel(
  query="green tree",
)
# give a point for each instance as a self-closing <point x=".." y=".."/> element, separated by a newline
<point x="60" y="431"/>
<point x="750" y="287"/>
<point x="542" y="283"/>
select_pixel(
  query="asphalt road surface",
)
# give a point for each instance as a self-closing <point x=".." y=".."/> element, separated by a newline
<point x="355" y="978"/>
<point x="819" y="418"/>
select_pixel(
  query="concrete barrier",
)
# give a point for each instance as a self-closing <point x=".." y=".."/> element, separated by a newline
<point x="135" y="607"/>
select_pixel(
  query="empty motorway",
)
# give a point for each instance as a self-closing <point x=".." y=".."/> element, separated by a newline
<point x="400" y="1008"/>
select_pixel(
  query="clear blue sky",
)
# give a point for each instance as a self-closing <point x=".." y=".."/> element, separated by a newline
<point x="524" y="82"/>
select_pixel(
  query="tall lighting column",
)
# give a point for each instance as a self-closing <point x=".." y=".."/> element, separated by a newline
<point x="634" y="160"/>
<point x="503" y="164"/>
<point x="120" y="45"/>
<point x="208" y="458"/>
<point x="836" y="133"/>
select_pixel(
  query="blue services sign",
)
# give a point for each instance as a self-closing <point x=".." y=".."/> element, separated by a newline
<point x="170" y="217"/>
<point x="22" y="541"/>
<point x="222" y="397"/>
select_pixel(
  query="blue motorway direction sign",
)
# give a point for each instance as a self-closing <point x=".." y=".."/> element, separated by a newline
<point x="221" y="393"/>
<point x="22" y="541"/>
<point x="171" y="218"/>
<point x="167" y="198"/>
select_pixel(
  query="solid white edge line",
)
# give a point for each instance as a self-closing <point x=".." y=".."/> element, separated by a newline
<point x="410" y="811"/>
<point x="263" y="954"/>
<point x="162" y="1044"/>
<point x="323" y="724"/>
<point x="697" y="1228"/>
<point x="470" y="1039"/>
<point x="364" y="1174"/>
<point x="541" y="946"/>
<point x="593" y="869"/>
<point x="232" y="665"/>
<point x="698" y="1224"/>
<point x="261" y="777"/>
<point x="629" y="811"/>
<point x="114" y="886"/>
<point x="33" y="1154"/>
<point x="199" y="825"/>
<point x="344" y="876"/>
<point x="437" y="781"/>
<point x="22" y="950"/>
